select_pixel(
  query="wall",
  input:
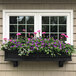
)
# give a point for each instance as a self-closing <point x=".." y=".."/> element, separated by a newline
<point x="37" y="68"/>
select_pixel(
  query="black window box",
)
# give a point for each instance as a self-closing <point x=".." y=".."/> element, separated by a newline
<point x="14" y="57"/>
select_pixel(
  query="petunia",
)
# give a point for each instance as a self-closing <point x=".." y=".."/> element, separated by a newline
<point x="35" y="33"/>
<point x="66" y="36"/>
<point x="4" y="38"/>
<point x="63" y="34"/>
<point x="43" y="32"/>
<point x="24" y="30"/>
<point x="10" y="40"/>
<point x="38" y="31"/>
<point x="18" y="34"/>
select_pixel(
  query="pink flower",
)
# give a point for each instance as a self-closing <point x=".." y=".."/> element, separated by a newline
<point x="35" y="33"/>
<point x="31" y="36"/>
<point x="18" y="34"/>
<point x="68" y="43"/>
<point x="28" y="33"/>
<point x="29" y="39"/>
<point x="4" y="38"/>
<point x="38" y="31"/>
<point x="43" y="32"/>
<point x="66" y="36"/>
<point x="61" y="37"/>
<point x="63" y="34"/>
<point x="24" y="30"/>
<point x="10" y="40"/>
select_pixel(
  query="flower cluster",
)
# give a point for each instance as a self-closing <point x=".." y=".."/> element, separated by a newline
<point x="39" y="45"/>
<point x="27" y="46"/>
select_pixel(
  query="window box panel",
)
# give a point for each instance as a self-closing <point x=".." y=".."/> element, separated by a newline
<point x="15" y="58"/>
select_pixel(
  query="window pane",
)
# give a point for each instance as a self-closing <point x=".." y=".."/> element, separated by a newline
<point x="13" y="28"/>
<point x="13" y="19"/>
<point x="55" y="36"/>
<point x="53" y="20"/>
<point x="30" y="35"/>
<point x="21" y="28"/>
<point x="53" y="28"/>
<point x="62" y="28"/>
<point x="45" y="35"/>
<point x="30" y="19"/>
<point x="23" y="35"/>
<point x="30" y="28"/>
<point x="62" y="20"/>
<point x="62" y="37"/>
<point x="45" y="28"/>
<point x="21" y="20"/>
<point x="45" y="20"/>
<point x="13" y="36"/>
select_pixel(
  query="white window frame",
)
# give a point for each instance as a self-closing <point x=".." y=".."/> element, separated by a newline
<point x="37" y="15"/>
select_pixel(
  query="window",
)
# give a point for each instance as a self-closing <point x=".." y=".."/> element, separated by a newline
<point x="53" y="22"/>
<point x="21" y="24"/>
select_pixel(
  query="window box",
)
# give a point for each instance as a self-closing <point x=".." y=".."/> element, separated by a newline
<point x="14" y="57"/>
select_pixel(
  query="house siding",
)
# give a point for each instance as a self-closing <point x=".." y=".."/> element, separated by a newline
<point x="37" y="68"/>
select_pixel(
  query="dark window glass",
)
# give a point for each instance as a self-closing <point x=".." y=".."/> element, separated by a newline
<point x="62" y="20"/>
<point x="21" y="20"/>
<point x="13" y="36"/>
<point x="13" y="28"/>
<point x="30" y="19"/>
<point x="45" y="28"/>
<point x="62" y="28"/>
<point x="45" y="20"/>
<point x="53" y="28"/>
<point x="30" y="28"/>
<point x="53" y="20"/>
<point x="13" y="19"/>
<point x="21" y="28"/>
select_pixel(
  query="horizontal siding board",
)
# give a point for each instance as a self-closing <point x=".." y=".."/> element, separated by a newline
<point x="37" y="73"/>
<point x="37" y="1"/>
<point x="37" y="6"/>
<point x="38" y="66"/>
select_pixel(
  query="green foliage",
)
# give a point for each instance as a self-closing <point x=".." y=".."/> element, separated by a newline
<point x="38" y="45"/>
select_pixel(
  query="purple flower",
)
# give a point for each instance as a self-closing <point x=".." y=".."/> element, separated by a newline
<point x="54" y="42"/>
<point x="55" y="46"/>
<point x="37" y="49"/>
<point x="42" y="43"/>
<point x="66" y="51"/>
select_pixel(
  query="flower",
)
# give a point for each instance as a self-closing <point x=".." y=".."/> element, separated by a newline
<point x="40" y="45"/>
<point x="63" y="34"/>
<point x="5" y="39"/>
<point x="38" y="31"/>
<point x="68" y="43"/>
<point x="29" y="39"/>
<point x="10" y="40"/>
<point x="28" y="33"/>
<point x="35" y="33"/>
<point x="66" y="36"/>
<point x="18" y="34"/>
<point x="24" y="30"/>
<point x="43" y="32"/>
